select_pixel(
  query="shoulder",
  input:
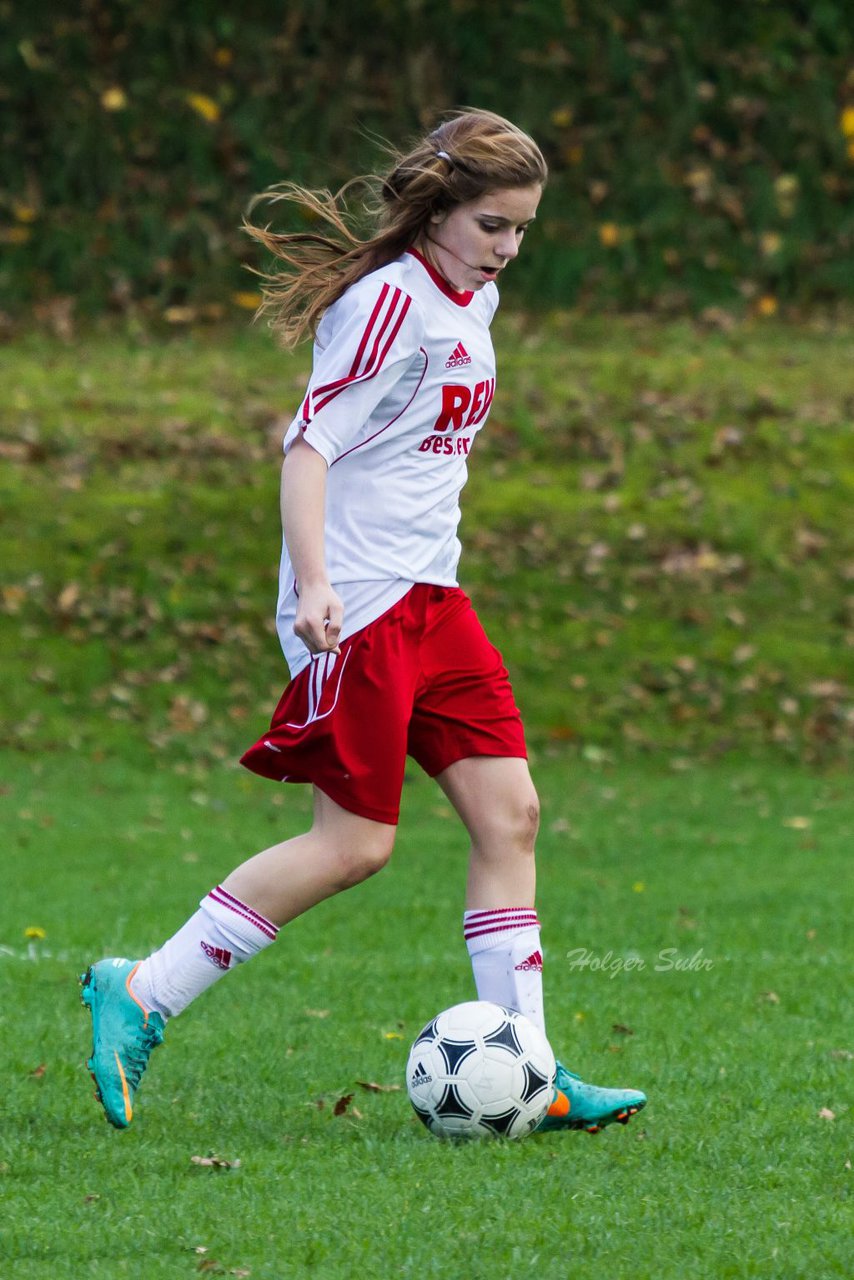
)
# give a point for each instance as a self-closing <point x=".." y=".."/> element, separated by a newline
<point x="382" y="300"/>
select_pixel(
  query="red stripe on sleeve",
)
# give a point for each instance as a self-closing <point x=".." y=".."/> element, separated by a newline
<point x="325" y="388"/>
<point x="380" y="300"/>
<point x="322" y="396"/>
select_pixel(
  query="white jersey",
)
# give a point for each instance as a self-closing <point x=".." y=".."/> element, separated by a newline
<point x="402" y="381"/>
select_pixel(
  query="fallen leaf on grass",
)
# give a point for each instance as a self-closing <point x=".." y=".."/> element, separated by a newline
<point x="214" y="1162"/>
<point x="826" y="1114"/>
<point x="373" y="1087"/>
<point x="844" y="1055"/>
<point x="342" y="1104"/>
<point x="798" y="824"/>
<point x="622" y="1030"/>
<point x="770" y="997"/>
<point x="38" y="1073"/>
<point x="316" y="1013"/>
<point x="68" y="597"/>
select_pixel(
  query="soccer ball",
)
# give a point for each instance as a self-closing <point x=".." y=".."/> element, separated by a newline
<point x="480" y="1070"/>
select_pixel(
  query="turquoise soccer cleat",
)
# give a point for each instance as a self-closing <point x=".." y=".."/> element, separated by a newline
<point x="577" y="1105"/>
<point x="124" y="1033"/>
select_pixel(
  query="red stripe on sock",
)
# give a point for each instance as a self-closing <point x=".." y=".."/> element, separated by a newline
<point x="503" y="928"/>
<point x="480" y="917"/>
<point x="508" y="921"/>
<point x="225" y="899"/>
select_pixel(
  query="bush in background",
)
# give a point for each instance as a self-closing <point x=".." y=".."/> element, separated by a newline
<point x="702" y="154"/>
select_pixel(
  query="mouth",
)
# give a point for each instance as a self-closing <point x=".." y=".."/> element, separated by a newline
<point x="489" y="272"/>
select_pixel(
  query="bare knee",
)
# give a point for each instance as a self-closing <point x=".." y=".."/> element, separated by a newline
<point x="352" y="847"/>
<point x="511" y="826"/>
<point x="361" y="857"/>
<point x="525" y="821"/>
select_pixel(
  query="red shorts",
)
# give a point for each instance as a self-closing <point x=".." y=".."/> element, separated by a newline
<point x="422" y="680"/>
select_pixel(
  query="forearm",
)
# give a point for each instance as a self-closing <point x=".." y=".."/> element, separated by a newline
<point x="303" y="502"/>
<point x="303" y="496"/>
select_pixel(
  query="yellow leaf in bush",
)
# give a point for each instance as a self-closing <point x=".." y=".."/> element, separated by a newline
<point x="204" y="106"/>
<point x="846" y="122"/>
<point x="767" y="305"/>
<point x="24" y="212"/>
<point x="562" y="117"/>
<point x="180" y="315"/>
<point x="14" y="235"/>
<point x="786" y="186"/>
<point x="114" y="99"/>
<point x="249" y="301"/>
<point x="609" y="235"/>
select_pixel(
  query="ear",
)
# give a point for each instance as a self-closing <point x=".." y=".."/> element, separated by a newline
<point x="438" y="218"/>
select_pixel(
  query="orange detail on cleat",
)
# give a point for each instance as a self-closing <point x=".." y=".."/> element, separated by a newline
<point x="560" y="1105"/>
<point x="125" y="1090"/>
<point x="134" y="998"/>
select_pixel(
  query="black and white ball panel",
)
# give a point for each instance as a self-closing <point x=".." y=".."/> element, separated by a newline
<point x="479" y="1069"/>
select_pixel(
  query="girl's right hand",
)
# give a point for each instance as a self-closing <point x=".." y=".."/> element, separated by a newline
<point x="320" y="613"/>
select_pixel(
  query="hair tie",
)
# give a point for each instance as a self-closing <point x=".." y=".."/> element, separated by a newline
<point x="443" y="155"/>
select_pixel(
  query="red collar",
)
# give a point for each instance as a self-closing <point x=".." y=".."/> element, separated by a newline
<point x="461" y="299"/>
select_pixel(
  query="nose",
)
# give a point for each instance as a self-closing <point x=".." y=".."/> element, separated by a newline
<point x="507" y="247"/>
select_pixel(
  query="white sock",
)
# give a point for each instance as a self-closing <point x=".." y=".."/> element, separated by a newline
<point x="223" y="933"/>
<point x="504" y="946"/>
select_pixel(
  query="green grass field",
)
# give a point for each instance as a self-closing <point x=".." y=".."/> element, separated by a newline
<point x="655" y="535"/>
<point x="733" y="872"/>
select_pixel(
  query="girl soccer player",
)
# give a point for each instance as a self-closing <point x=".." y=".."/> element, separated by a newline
<point x="386" y="654"/>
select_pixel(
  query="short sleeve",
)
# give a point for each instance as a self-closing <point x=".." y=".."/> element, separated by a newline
<point x="491" y="299"/>
<point x="366" y="343"/>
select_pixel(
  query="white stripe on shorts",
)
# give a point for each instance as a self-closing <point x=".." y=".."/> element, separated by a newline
<point x="318" y="674"/>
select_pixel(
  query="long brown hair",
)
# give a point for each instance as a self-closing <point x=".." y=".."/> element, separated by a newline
<point x="468" y="155"/>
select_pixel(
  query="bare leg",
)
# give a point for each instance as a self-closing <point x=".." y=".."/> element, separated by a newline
<point x="339" y="851"/>
<point x="497" y="801"/>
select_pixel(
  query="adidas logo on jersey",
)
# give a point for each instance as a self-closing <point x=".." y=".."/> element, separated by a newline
<point x="534" y="961"/>
<point x="459" y="357"/>
<point x="420" y="1076"/>
<point x="217" y="955"/>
